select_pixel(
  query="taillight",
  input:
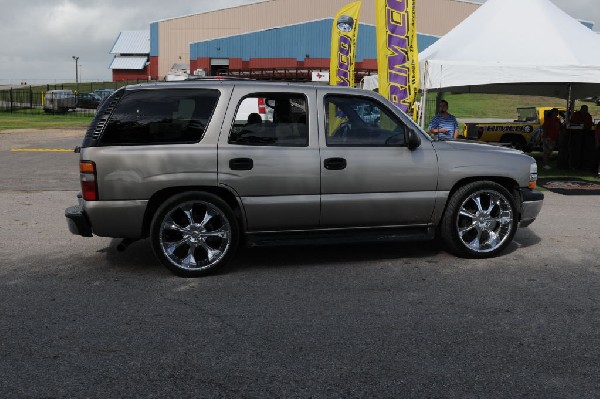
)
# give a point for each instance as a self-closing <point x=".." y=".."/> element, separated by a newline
<point x="262" y="109"/>
<point x="87" y="175"/>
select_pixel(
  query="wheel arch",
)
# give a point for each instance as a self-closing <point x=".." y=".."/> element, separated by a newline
<point x="508" y="183"/>
<point x="163" y="195"/>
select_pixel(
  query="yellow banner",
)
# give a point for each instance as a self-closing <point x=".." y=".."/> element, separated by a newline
<point x="397" y="52"/>
<point x="343" y="45"/>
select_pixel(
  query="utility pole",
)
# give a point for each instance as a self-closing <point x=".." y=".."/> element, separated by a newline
<point x="76" y="69"/>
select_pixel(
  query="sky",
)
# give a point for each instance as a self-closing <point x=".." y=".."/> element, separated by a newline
<point x="40" y="37"/>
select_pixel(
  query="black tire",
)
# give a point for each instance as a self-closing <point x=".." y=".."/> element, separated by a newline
<point x="520" y="143"/>
<point x="480" y="220"/>
<point x="517" y="142"/>
<point x="194" y="234"/>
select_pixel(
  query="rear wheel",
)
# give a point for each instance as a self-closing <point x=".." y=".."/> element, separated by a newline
<point x="480" y="220"/>
<point x="194" y="234"/>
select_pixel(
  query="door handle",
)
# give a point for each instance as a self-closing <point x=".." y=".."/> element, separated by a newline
<point x="335" y="163"/>
<point x="241" y="164"/>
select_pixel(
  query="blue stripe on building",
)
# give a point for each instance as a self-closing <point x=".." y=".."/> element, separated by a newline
<point x="293" y="41"/>
<point x="154" y="39"/>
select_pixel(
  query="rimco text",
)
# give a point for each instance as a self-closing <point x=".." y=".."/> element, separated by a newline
<point x="344" y="59"/>
<point x="397" y="44"/>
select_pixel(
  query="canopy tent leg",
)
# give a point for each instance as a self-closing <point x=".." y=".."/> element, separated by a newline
<point x="421" y="118"/>
<point x="570" y="106"/>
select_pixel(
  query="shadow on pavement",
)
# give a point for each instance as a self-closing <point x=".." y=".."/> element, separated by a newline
<point x="316" y="255"/>
<point x="138" y="257"/>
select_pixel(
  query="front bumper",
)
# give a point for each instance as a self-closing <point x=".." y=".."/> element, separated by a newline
<point x="78" y="222"/>
<point x="532" y="204"/>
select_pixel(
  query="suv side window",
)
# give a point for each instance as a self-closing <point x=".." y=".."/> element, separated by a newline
<point x="361" y="121"/>
<point x="149" y="117"/>
<point x="271" y="119"/>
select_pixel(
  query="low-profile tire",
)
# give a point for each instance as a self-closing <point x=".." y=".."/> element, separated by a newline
<point x="194" y="234"/>
<point x="480" y="220"/>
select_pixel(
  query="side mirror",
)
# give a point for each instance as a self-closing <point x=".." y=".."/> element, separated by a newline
<point x="413" y="140"/>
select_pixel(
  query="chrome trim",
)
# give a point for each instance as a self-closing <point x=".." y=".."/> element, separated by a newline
<point x="195" y="235"/>
<point x="485" y="221"/>
<point x="343" y="229"/>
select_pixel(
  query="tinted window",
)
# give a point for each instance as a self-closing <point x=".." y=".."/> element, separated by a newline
<point x="160" y="116"/>
<point x="359" y="121"/>
<point x="271" y="119"/>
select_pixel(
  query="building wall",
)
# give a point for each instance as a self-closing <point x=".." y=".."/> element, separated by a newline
<point x="170" y="38"/>
<point x="119" y="75"/>
<point x="270" y="48"/>
<point x="311" y="38"/>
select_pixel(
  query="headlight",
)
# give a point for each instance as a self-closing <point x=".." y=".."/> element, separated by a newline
<point x="532" y="175"/>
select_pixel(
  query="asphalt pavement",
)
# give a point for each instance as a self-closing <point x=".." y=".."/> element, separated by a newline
<point x="389" y="320"/>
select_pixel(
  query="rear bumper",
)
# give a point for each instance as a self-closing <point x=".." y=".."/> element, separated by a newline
<point x="78" y="222"/>
<point x="532" y="204"/>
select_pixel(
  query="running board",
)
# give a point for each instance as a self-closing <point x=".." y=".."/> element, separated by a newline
<point x="323" y="237"/>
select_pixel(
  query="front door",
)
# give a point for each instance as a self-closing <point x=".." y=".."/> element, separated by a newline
<point x="369" y="177"/>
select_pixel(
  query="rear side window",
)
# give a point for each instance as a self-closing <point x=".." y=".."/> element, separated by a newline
<point x="149" y="117"/>
<point x="271" y="119"/>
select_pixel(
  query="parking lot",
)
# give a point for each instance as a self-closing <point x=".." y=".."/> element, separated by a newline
<point x="80" y="319"/>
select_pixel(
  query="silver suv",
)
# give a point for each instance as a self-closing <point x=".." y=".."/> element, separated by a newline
<point x="176" y="163"/>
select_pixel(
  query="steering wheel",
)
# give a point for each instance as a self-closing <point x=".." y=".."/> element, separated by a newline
<point x="342" y="130"/>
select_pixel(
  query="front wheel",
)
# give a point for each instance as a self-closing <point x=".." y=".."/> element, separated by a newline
<point x="194" y="234"/>
<point x="480" y="220"/>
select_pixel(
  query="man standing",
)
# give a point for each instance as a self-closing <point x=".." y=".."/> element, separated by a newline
<point x="550" y="132"/>
<point x="443" y="125"/>
<point x="582" y="117"/>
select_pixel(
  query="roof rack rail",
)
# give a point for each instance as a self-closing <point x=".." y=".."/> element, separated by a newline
<point x="192" y="77"/>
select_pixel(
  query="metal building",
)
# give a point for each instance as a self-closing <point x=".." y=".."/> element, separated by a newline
<point x="131" y="50"/>
<point x="242" y="38"/>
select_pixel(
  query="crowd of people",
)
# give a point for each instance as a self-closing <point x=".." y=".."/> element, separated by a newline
<point x="552" y="128"/>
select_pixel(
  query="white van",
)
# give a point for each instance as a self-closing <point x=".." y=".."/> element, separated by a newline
<point x="59" y="101"/>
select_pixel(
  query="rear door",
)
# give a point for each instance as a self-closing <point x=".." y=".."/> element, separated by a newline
<point x="369" y="177"/>
<point x="271" y="159"/>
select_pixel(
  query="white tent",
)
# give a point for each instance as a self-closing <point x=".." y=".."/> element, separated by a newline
<point x="515" y="47"/>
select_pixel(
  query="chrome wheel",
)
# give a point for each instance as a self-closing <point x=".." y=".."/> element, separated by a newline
<point x="194" y="235"/>
<point x="485" y="221"/>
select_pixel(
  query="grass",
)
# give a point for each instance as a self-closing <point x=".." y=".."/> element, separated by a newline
<point x="504" y="106"/>
<point x="42" y="121"/>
